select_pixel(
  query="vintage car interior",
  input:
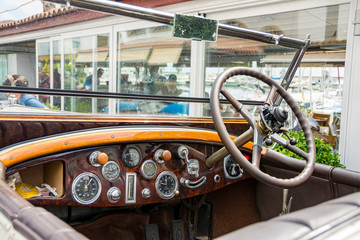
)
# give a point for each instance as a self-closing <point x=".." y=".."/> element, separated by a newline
<point x="172" y="177"/>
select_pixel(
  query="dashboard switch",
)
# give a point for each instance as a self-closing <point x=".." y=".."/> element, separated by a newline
<point x="146" y="193"/>
<point x="114" y="194"/>
<point x="98" y="158"/>
<point x="162" y="155"/>
<point x="166" y="155"/>
<point x="182" y="152"/>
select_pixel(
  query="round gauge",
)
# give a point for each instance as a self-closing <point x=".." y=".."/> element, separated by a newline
<point x="148" y="169"/>
<point x="166" y="184"/>
<point x="86" y="188"/>
<point x="232" y="168"/>
<point x="111" y="171"/>
<point x="131" y="156"/>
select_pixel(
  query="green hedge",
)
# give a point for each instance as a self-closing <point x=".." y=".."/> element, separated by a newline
<point x="324" y="152"/>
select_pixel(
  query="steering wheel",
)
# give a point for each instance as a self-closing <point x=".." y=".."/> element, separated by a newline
<point x="259" y="129"/>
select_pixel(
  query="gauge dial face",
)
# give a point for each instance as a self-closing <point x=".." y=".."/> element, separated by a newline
<point x="86" y="188"/>
<point x="166" y="184"/>
<point x="131" y="156"/>
<point x="232" y="169"/>
<point x="148" y="169"/>
<point x="111" y="171"/>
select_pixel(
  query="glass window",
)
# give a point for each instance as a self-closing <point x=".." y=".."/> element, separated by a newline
<point x="44" y="69"/>
<point x="151" y="62"/>
<point x="86" y="68"/>
<point x="3" y="72"/>
<point x="56" y="76"/>
<point x="3" y="65"/>
<point x="318" y="83"/>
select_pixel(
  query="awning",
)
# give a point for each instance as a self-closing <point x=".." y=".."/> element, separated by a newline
<point x="163" y="56"/>
<point x="136" y="55"/>
<point x="86" y="58"/>
<point x="330" y="57"/>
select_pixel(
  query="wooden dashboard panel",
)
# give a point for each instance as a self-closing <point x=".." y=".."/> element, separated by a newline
<point x="77" y="162"/>
<point x="71" y="140"/>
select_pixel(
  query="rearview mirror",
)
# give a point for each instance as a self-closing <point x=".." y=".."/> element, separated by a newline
<point x="195" y="28"/>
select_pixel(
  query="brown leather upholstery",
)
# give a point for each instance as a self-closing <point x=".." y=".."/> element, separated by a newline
<point x="323" y="219"/>
<point x="33" y="222"/>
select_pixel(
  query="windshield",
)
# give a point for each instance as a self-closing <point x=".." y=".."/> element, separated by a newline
<point x="144" y="61"/>
<point x="152" y="72"/>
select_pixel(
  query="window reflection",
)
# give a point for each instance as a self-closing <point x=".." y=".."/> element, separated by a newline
<point x="56" y="77"/>
<point x="149" y="61"/>
<point x="44" y="70"/>
<point x="86" y="69"/>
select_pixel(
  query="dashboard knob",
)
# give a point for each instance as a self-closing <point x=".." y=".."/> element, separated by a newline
<point x="166" y="155"/>
<point x="114" y="194"/>
<point x="146" y="193"/>
<point x="162" y="155"/>
<point x="98" y="158"/>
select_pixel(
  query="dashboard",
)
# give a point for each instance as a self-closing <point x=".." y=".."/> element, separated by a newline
<point x="130" y="174"/>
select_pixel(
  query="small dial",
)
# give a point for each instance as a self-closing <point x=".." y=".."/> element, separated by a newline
<point x="86" y="188"/>
<point x="166" y="185"/>
<point x="131" y="156"/>
<point x="148" y="169"/>
<point x="232" y="169"/>
<point x="111" y="171"/>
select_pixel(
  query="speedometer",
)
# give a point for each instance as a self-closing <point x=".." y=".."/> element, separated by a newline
<point x="131" y="156"/>
<point x="166" y="185"/>
<point x="86" y="188"/>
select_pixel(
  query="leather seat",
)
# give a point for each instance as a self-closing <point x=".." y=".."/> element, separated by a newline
<point x="335" y="219"/>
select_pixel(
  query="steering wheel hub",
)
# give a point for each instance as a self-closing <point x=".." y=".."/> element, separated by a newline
<point x="272" y="118"/>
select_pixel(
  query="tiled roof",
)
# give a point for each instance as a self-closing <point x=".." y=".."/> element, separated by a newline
<point x="62" y="11"/>
<point x="39" y="16"/>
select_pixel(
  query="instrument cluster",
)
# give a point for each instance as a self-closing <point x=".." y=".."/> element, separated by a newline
<point x="145" y="173"/>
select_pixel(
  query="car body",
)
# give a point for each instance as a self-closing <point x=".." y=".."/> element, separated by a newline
<point x="164" y="174"/>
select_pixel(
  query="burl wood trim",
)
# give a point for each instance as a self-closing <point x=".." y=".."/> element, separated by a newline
<point x="49" y="145"/>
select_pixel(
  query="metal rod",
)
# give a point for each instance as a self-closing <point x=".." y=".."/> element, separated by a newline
<point x="294" y="65"/>
<point x="89" y="94"/>
<point x="124" y="9"/>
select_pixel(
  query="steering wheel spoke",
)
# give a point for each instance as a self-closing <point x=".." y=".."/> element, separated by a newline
<point x="239" y="107"/>
<point x="286" y="144"/>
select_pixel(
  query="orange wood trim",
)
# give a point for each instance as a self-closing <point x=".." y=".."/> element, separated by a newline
<point x="50" y="145"/>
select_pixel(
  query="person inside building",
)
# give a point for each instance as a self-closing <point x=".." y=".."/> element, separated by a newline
<point x="155" y="75"/>
<point x="22" y="99"/>
<point x="150" y="83"/>
<point x="88" y="80"/>
<point x="169" y="88"/>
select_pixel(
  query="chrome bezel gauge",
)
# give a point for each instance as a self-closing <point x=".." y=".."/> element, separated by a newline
<point x="109" y="175"/>
<point x="135" y="160"/>
<point x="229" y="160"/>
<point x="96" y="186"/>
<point x="159" y="184"/>
<point x="145" y="173"/>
